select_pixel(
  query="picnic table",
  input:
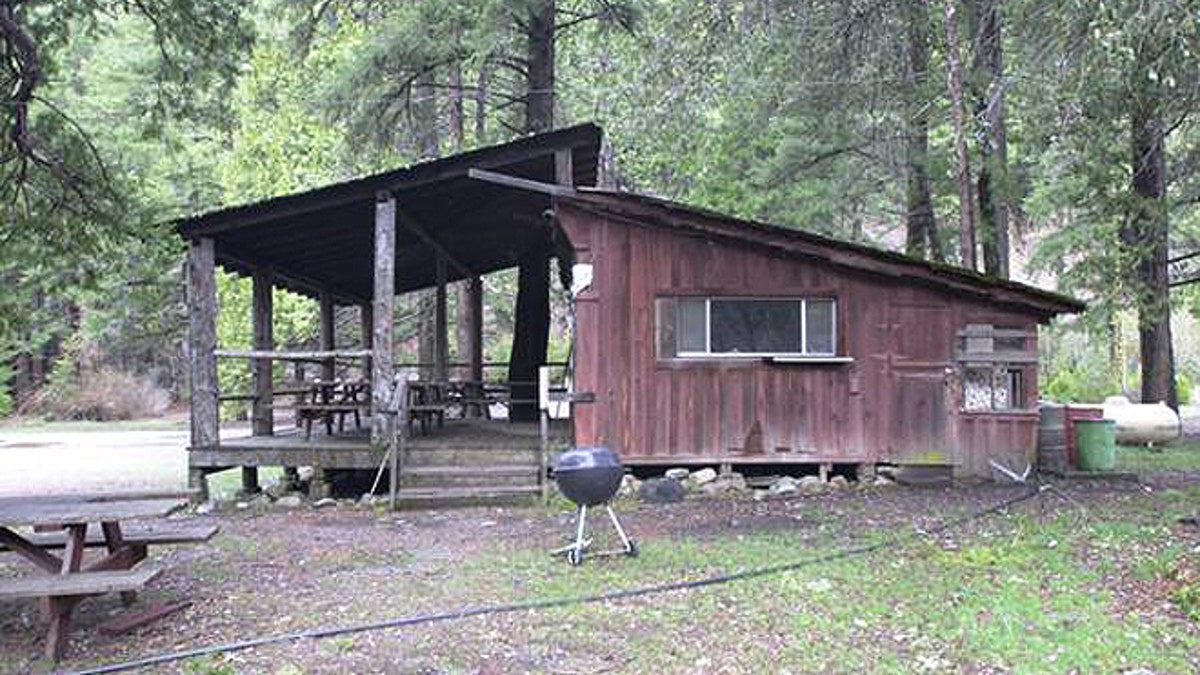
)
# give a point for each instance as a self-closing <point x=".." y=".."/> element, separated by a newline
<point x="72" y="524"/>
<point x="329" y="398"/>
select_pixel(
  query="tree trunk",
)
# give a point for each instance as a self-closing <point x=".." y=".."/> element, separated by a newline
<point x="922" y="237"/>
<point x="987" y="84"/>
<point x="456" y="104"/>
<point x="481" y="103"/>
<point x="531" y="333"/>
<point x="966" y="235"/>
<point x="426" y="127"/>
<point x="1144" y="238"/>
<point x="425" y="122"/>
<point x="539" y="90"/>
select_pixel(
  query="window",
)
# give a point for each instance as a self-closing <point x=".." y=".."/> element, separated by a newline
<point x="756" y="326"/>
<point x="994" y="361"/>
<point x="993" y="388"/>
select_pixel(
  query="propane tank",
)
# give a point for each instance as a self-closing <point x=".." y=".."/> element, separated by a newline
<point x="1142" y="423"/>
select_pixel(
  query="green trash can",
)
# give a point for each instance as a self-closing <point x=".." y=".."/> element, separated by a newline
<point x="1096" y="444"/>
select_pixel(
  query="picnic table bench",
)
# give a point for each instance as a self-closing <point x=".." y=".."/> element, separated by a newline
<point x="74" y="524"/>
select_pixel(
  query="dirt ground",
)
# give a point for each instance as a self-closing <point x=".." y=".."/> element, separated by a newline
<point x="273" y="572"/>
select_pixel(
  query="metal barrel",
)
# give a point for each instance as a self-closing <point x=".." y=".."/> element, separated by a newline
<point x="1052" y="438"/>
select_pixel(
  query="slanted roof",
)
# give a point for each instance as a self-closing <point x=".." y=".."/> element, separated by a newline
<point x="654" y="212"/>
<point x="322" y="239"/>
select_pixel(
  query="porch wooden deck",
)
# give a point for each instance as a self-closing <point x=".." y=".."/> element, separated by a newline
<point x="352" y="450"/>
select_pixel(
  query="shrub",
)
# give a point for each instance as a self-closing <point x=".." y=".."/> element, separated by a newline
<point x="1075" y="384"/>
<point x="6" y="398"/>
<point x="101" y="395"/>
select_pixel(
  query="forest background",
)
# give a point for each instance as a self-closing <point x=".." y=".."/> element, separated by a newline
<point x="1050" y="141"/>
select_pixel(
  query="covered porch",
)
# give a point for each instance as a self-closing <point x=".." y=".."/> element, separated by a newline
<point x="437" y="427"/>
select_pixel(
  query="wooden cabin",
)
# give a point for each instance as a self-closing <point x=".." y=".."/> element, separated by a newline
<point x="712" y="340"/>
<point x="698" y="339"/>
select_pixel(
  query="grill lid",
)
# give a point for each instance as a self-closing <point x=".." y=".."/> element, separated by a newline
<point x="593" y="457"/>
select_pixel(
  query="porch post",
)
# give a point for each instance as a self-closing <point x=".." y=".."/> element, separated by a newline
<point x="470" y="331"/>
<point x="202" y="342"/>
<point x="327" y="312"/>
<point x="262" y="412"/>
<point x="382" y="371"/>
<point x="264" y="339"/>
<point x="441" y="350"/>
<point x="366" y="326"/>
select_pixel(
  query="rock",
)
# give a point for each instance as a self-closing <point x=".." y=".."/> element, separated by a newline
<point x="629" y="486"/>
<point x="277" y="490"/>
<point x="660" y="491"/>
<point x="820" y="585"/>
<point x="367" y="499"/>
<point x="811" y="485"/>
<point x="839" y="482"/>
<point x="881" y="481"/>
<point x="322" y="503"/>
<point x="206" y="508"/>
<point x="762" y="495"/>
<point x="784" y="486"/>
<point x="290" y="501"/>
<point x="730" y="482"/>
<point x="678" y="473"/>
<point x="703" y="476"/>
<point x="260" y="501"/>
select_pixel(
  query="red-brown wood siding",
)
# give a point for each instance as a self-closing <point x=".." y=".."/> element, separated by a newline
<point x="898" y="401"/>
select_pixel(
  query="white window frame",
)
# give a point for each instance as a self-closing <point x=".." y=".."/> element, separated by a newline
<point x="708" y="353"/>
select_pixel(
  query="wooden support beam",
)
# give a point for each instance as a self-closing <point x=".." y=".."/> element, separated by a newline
<point x="383" y="316"/>
<point x="441" y="347"/>
<point x="281" y="355"/>
<point x="262" y="417"/>
<point x="522" y="183"/>
<point x="327" y="316"/>
<point x="292" y="280"/>
<point x="202" y="342"/>
<point x="415" y="227"/>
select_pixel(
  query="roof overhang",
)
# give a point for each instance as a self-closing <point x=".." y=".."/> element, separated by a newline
<point x="322" y="239"/>
<point x="641" y="210"/>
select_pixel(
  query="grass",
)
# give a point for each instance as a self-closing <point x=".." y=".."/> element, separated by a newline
<point x="1178" y="456"/>
<point x="225" y="485"/>
<point x="1023" y="596"/>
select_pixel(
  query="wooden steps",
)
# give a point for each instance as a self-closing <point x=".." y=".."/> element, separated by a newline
<point x="430" y="497"/>
<point x="462" y="476"/>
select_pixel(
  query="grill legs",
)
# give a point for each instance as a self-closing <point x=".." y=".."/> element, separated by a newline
<point x="575" y="551"/>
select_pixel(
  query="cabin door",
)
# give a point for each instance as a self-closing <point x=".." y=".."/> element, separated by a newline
<point x="919" y="363"/>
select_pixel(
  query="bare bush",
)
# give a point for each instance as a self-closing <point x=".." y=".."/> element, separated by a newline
<point x="101" y="395"/>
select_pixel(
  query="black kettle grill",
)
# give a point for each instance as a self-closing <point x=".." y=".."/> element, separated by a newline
<point x="591" y="476"/>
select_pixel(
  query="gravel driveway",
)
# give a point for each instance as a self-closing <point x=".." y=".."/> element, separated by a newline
<point x="33" y="462"/>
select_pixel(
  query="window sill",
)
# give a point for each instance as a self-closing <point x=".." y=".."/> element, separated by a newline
<point x="802" y="360"/>
<point x="1014" y="412"/>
